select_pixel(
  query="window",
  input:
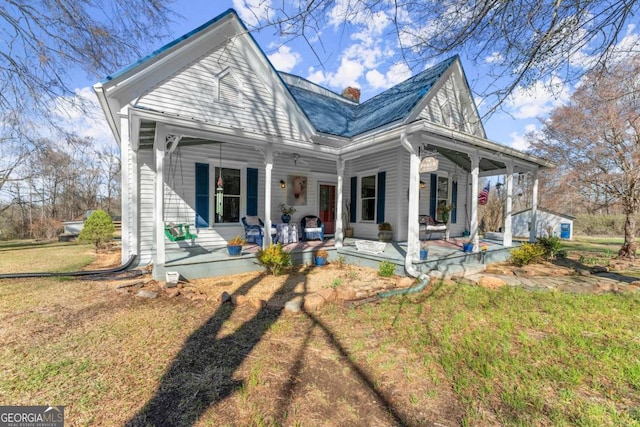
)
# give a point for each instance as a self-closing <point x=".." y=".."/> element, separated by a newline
<point x="368" y="198"/>
<point x="230" y="196"/>
<point x="442" y="195"/>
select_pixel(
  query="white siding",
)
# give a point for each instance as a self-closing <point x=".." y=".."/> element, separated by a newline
<point x="205" y="91"/>
<point x="146" y="225"/>
<point x="452" y="106"/>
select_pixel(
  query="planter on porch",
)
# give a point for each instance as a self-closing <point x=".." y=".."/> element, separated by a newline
<point x="234" y="246"/>
<point x="467" y="247"/>
<point x="321" y="257"/>
<point x="423" y="254"/>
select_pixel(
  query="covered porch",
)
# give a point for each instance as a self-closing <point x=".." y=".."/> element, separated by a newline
<point x="445" y="258"/>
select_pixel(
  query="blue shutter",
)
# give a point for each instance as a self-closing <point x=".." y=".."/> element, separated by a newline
<point x="380" y="197"/>
<point x="354" y="196"/>
<point x="252" y="191"/>
<point x="432" y="195"/>
<point x="454" y="200"/>
<point x="202" y="195"/>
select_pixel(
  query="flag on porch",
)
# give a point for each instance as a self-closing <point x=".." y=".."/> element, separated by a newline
<point x="484" y="195"/>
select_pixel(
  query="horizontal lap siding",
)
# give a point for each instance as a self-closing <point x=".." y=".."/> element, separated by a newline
<point x="257" y="111"/>
<point x="386" y="161"/>
<point x="145" y="226"/>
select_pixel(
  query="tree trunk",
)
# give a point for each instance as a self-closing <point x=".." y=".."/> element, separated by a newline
<point x="628" y="249"/>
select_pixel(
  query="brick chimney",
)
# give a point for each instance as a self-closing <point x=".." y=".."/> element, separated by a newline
<point x="351" y="93"/>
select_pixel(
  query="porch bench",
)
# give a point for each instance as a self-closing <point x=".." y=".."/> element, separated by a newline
<point x="429" y="225"/>
<point x="370" y="247"/>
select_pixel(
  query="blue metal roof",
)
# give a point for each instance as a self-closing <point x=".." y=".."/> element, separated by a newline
<point x="342" y="118"/>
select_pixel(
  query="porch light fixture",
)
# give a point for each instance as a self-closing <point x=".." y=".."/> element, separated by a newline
<point x="422" y="184"/>
<point x="283" y="184"/>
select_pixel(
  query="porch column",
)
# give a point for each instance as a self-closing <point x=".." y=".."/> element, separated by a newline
<point x="507" y="239"/>
<point x="268" y="166"/>
<point x="413" y="227"/>
<point x="339" y="235"/>
<point x="473" y="223"/>
<point x="159" y="144"/>
<point x="534" y="208"/>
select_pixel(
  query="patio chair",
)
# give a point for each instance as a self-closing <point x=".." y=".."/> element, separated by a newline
<point x="254" y="230"/>
<point x="312" y="228"/>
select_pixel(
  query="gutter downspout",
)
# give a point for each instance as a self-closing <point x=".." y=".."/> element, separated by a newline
<point x="412" y="235"/>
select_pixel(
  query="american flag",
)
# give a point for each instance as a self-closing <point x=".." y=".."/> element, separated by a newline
<point x="484" y="195"/>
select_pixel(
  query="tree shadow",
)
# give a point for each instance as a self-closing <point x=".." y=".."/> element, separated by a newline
<point x="201" y="375"/>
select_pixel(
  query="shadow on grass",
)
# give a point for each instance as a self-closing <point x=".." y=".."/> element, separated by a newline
<point x="202" y="374"/>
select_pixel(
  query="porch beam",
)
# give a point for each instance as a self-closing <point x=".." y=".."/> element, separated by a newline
<point x="160" y="145"/>
<point x="339" y="234"/>
<point x="268" y="166"/>
<point x="507" y="238"/>
<point x="534" y="208"/>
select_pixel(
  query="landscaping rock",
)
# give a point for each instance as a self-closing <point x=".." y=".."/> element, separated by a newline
<point x="314" y="302"/>
<point x="172" y="292"/>
<point x="328" y="294"/>
<point x="599" y="269"/>
<point x="225" y="297"/>
<point x="294" y="305"/>
<point x="345" y="293"/>
<point x="146" y="294"/>
<point x="583" y="272"/>
<point x="490" y="282"/>
<point x="257" y="303"/>
<point x="405" y="282"/>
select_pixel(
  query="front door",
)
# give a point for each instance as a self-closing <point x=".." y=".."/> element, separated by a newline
<point x="328" y="207"/>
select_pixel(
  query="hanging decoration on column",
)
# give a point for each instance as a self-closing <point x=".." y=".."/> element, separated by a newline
<point x="219" y="190"/>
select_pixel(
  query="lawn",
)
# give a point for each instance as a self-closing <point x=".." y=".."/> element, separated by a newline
<point x="451" y="355"/>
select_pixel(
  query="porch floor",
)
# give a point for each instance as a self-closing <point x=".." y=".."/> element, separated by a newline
<point x="192" y="260"/>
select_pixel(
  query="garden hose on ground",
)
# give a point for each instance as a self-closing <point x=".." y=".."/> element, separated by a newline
<point x="81" y="273"/>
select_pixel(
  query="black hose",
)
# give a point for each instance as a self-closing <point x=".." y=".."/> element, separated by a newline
<point x="71" y="273"/>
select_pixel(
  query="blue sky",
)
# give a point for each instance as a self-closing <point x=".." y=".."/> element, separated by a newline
<point x="362" y="58"/>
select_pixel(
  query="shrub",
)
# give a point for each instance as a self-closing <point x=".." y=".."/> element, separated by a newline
<point x="551" y="245"/>
<point x="98" y="229"/>
<point x="385" y="226"/>
<point x="386" y="268"/>
<point x="274" y="258"/>
<point x="46" y="229"/>
<point x="526" y="254"/>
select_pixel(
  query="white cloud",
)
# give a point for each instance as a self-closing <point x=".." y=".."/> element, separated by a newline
<point x="252" y="12"/>
<point x="494" y="57"/>
<point x="537" y="99"/>
<point x="519" y="141"/>
<point x="396" y="74"/>
<point x="89" y="122"/>
<point x="284" y="59"/>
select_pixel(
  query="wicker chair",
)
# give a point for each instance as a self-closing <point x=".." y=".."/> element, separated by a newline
<point x="254" y="230"/>
<point x="312" y="228"/>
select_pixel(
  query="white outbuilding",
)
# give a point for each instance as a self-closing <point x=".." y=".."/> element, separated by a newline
<point x="548" y="223"/>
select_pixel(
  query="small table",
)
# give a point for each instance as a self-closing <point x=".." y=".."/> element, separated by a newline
<point x="287" y="233"/>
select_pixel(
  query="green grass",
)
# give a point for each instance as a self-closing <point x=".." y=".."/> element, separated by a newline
<point x="531" y="358"/>
<point x="451" y="355"/>
<point x="28" y="257"/>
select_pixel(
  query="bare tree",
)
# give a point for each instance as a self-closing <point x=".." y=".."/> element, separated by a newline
<point x="45" y="41"/>
<point x="597" y="138"/>
<point x="522" y="42"/>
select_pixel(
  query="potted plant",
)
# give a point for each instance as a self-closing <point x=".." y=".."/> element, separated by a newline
<point x="321" y="257"/>
<point x="467" y="247"/>
<point x="444" y="212"/>
<point x="287" y="211"/>
<point x="385" y="232"/>
<point x="234" y="245"/>
<point x="348" y="231"/>
<point x="424" y="250"/>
